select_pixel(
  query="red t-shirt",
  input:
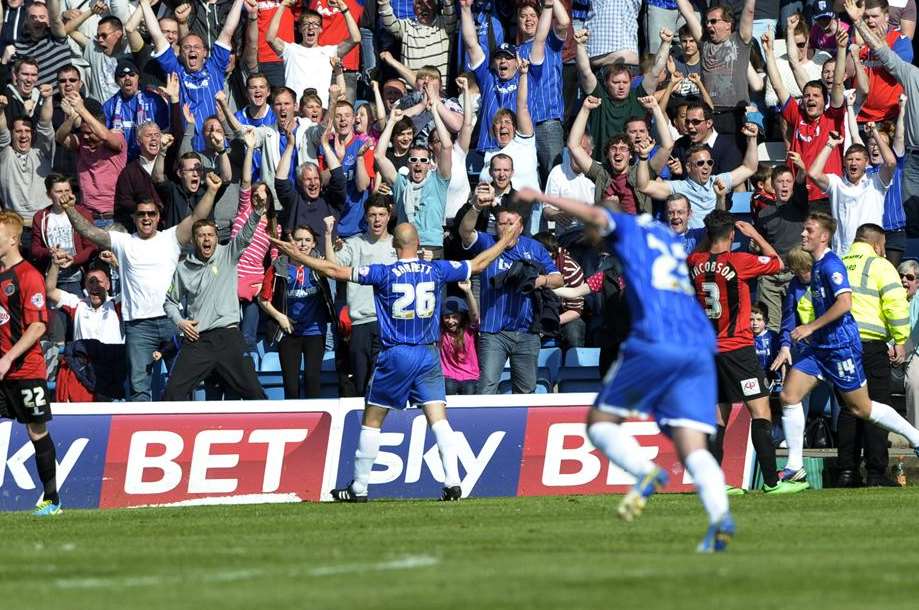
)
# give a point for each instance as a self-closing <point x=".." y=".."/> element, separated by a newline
<point x="266" y="10"/>
<point x="22" y="302"/>
<point x="810" y="136"/>
<point x="721" y="288"/>
<point x="335" y="29"/>
<point x="883" y="100"/>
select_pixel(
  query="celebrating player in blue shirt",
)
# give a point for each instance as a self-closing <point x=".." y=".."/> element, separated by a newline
<point x="830" y="349"/>
<point x="407" y="297"/>
<point x="666" y="367"/>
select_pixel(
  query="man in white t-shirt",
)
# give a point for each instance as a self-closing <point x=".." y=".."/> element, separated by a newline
<point x="567" y="182"/>
<point x="147" y="261"/>
<point x="856" y="198"/>
<point x="308" y="65"/>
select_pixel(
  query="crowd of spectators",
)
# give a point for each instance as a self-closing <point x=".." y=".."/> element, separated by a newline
<point x="152" y="148"/>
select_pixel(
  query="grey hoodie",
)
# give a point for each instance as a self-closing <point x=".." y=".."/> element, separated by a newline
<point x="209" y="288"/>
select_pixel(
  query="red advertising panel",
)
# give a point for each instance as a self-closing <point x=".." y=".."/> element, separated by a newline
<point x="262" y="457"/>
<point x="559" y="459"/>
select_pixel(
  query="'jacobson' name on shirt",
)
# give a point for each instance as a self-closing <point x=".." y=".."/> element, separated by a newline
<point x="716" y="267"/>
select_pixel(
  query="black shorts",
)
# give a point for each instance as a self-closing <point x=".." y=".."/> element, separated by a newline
<point x="740" y="376"/>
<point x="25" y="400"/>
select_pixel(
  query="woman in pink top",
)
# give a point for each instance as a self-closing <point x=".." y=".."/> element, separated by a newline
<point x="459" y="326"/>
<point x="251" y="267"/>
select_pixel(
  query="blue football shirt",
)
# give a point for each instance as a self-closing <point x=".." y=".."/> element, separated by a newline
<point x="659" y="295"/>
<point x="407" y="295"/>
<point x="829" y="279"/>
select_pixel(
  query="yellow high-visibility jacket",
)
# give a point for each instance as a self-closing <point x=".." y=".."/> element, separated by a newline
<point x="879" y="303"/>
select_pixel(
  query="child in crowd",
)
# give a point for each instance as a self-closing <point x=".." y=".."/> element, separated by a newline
<point x="766" y="343"/>
<point x="763" y="193"/>
<point x="459" y="327"/>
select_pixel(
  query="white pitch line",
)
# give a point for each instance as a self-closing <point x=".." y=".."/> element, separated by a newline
<point x="404" y="563"/>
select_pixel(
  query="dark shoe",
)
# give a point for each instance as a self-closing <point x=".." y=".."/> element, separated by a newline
<point x="451" y="494"/>
<point x="880" y="481"/>
<point x="848" y="478"/>
<point x="346" y="494"/>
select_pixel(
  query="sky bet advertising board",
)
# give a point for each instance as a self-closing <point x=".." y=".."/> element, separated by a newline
<point x="113" y="456"/>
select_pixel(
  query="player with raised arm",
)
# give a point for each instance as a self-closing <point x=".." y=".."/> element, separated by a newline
<point x="407" y="299"/>
<point x="720" y="279"/>
<point x="665" y="369"/>
<point x="23" y="385"/>
<point x="830" y="349"/>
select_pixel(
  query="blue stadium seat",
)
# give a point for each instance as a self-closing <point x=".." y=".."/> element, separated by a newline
<point x="740" y="203"/>
<point x="256" y="359"/>
<point x="270" y="363"/>
<point x="580" y="371"/>
<point x="274" y="392"/>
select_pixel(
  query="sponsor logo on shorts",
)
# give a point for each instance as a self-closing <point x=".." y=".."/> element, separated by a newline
<point x="750" y="386"/>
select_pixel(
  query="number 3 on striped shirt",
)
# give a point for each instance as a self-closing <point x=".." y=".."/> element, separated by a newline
<point x="415" y="300"/>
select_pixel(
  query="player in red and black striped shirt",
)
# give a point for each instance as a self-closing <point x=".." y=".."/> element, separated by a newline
<point x="23" y="385"/>
<point x="720" y="279"/>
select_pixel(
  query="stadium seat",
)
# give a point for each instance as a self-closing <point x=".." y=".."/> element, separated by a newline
<point x="270" y="363"/>
<point x="771" y="152"/>
<point x="741" y="203"/>
<point x="274" y="392"/>
<point x="580" y="371"/>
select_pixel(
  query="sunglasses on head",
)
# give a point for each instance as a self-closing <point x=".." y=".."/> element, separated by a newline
<point x="418" y="159"/>
<point x="704" y="163"/>
<point x="909" y="277"/>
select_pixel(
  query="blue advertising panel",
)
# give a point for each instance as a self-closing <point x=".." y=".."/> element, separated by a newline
<point x="490" y="442"/>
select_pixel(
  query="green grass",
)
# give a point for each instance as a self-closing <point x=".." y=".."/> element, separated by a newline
<point x="827" y="549"/>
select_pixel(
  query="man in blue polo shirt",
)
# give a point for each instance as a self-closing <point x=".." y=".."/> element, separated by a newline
<point x="545" y="101"/>
<point x="507" y="313"/>
<point x="421" y="196"/>
<point x="201" y="75"/>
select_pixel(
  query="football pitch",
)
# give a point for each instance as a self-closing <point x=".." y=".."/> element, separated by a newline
<point x="828" y="549"/>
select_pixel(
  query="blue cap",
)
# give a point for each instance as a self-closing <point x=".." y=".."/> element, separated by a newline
<point x="454" y="305"/>
<point x="506" y="48"/>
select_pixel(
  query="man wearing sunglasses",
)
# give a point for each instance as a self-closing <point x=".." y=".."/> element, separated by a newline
<point x="700" y="129"/>
<point x="147" y="260"/>
<point x="725" y="57"/>
<point x="420" y="197"/>
<point x="909" y="278"/>
<point x="104" y="50"/>
<point x="699" y="185"/>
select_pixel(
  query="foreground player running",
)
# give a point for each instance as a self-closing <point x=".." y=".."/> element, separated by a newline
<point x="666" y="367"/>
<point x="830" y="349"/>
<point x="407" y="298"/>
<point x="720" y="279"/>
<point x="23" y="389"/>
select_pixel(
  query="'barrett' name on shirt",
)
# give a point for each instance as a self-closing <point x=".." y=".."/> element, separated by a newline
<point x="410" y="267"/>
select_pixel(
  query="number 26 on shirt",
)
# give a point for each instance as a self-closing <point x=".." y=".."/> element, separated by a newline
<point x="415" y="300"/>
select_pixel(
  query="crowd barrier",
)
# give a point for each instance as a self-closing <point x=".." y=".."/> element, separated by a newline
<point x="117" y="455"/>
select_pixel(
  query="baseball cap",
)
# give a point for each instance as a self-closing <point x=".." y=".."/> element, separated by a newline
<point x="506" y="48"/>
<point x="454" y="305"/>
<point x="124" y="67"/>
<point x="824" y="9"/>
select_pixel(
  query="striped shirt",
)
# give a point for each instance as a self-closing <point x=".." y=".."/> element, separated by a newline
<point x="483" y="20"/>
<point x="573" y="276"/>
<point x="423" y="45"/>
<point x="495" y="94"/>
<point x="504" y="308"/>
<point x="242" y="115"/>
<point x="894" y="216"/>
<point x="250" y="268"/>
<point x="544" y="95"/>
<point x="50" y="53"/>
<point x="199" y="89"/>
<point x="127" y="115"/>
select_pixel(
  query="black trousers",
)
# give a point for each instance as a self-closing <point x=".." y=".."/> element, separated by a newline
<point x="221" y="351"/>
<point x="290" y="349"/>
<point x="853" y="433"/>
<point x="365" y="345"/>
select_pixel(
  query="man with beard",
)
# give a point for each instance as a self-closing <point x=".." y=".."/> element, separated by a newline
<point x="45" y="41"/>
<point x="147" y="260"/>
<point x="205" y="282"/>
<point x="811" y="120"/>
<point x="105" y="52"/>
<point x="131" y="106"/>
<point x="699" y="187"/>
<point x="201" y="74"/>
<point x="26" y="149"/>
<point x="307" y="65"/>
